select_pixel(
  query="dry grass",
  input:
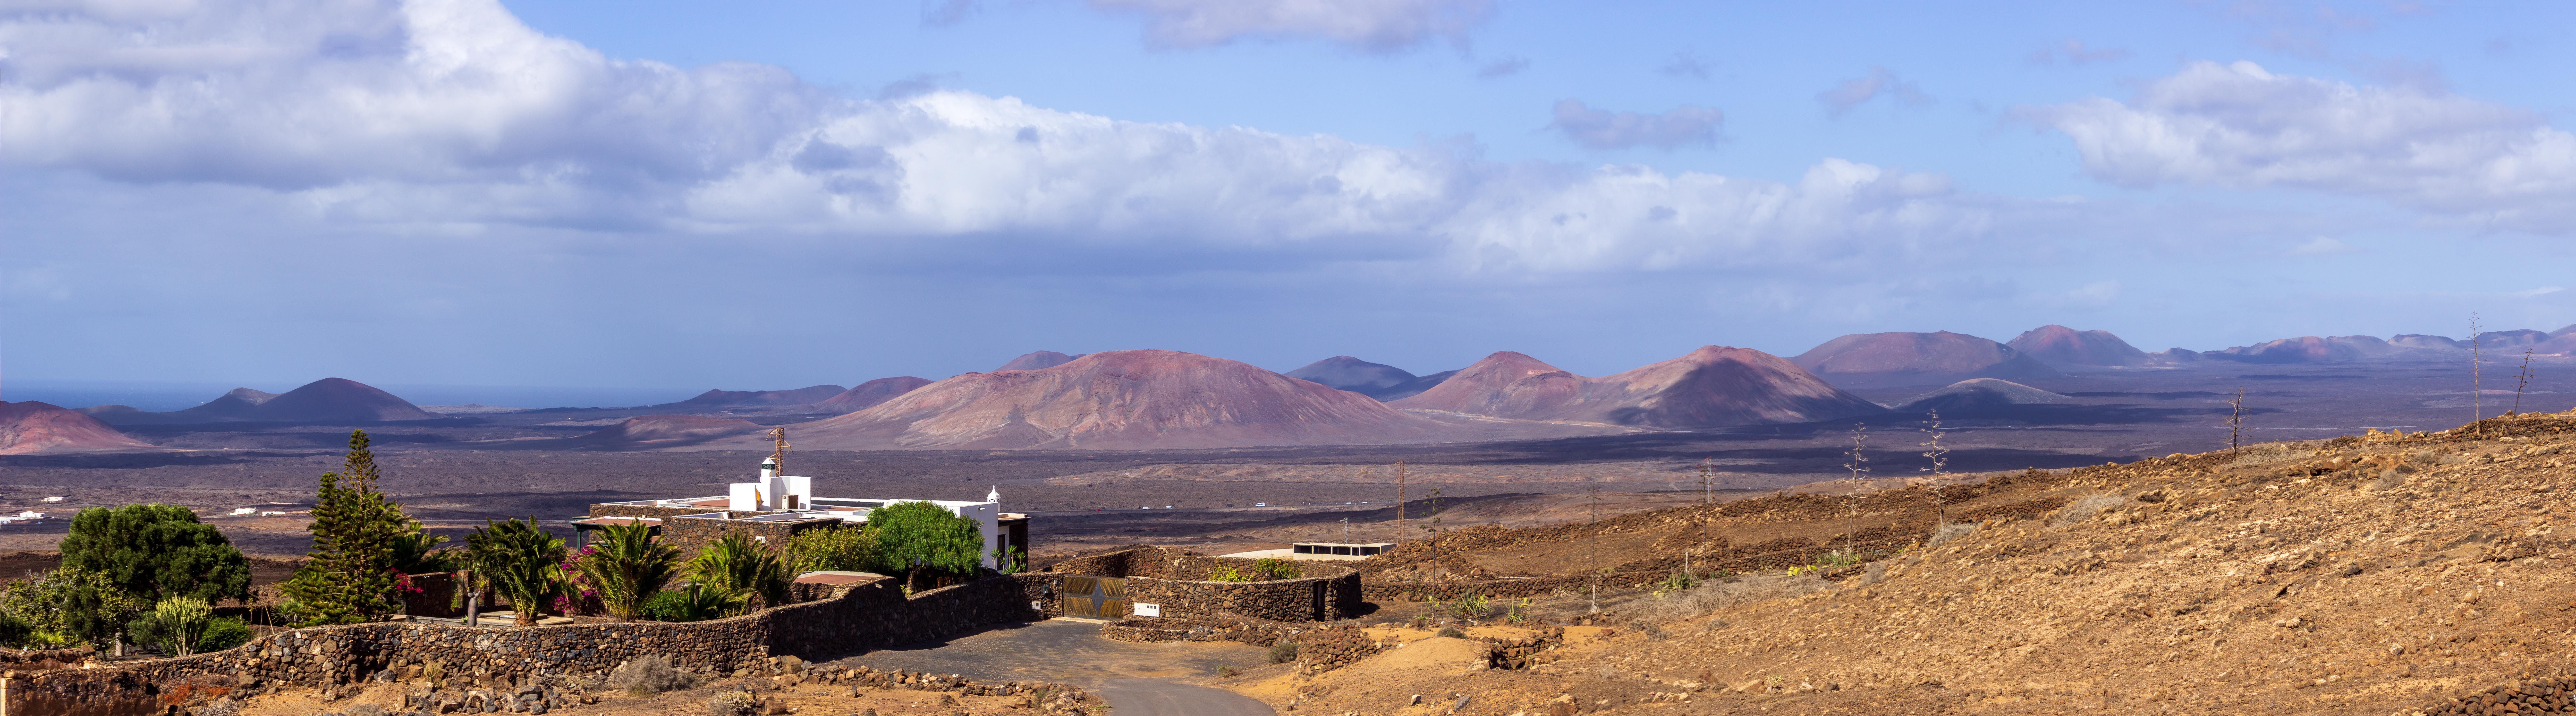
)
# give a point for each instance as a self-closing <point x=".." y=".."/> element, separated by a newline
<point x="2085" y="507"/>
<point x="1949" y="531"/>
<point x="649" y="675"/>
<point x="1712" y="596"/>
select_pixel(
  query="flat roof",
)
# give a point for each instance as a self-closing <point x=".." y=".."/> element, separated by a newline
<point x="618" y="521"/>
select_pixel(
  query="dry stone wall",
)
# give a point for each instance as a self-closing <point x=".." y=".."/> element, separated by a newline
<point x="1177" y="581"/>
<point x="869" y="616"/>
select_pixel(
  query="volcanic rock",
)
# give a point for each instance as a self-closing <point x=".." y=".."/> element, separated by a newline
<point x="1353" y="374"/>
<point x="2059" y="345"/>
<point x="870" y="393"/>
<point x="660" y="431"/>
<point x="329" y="400"/>
<point x="1918" y="358"/>
<point x="1709" y="387"/>
<point x="1040" y="360"/>
<point x="2420" y="341"/>
<point x="31" y="427"/>
<point x="1121" y="400"/>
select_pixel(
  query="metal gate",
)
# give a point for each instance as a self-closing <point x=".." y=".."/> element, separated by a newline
<point x="1094" y="597"/>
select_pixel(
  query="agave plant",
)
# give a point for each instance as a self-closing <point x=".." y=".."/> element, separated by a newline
<point x="628" y="568"/>
<point x="519" y="561"/>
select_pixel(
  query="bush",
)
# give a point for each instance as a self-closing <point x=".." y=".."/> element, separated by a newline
<point x="839" y="548"/>
<point x="737" y="565"/>
<point x="178" y="624"/>
<point x="1471" y="607"/>
<point x="1283" y="652"/>
<point x="649" y="675"/>
<point x="80" y="604"/>
<point x="1227" y="671"/>
<point x="696" y="603"/>
<point x="1451" y="632"/>
<point x="224" y="633"/>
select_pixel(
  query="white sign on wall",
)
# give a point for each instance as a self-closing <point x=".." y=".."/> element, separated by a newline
<point x="1148" y="610"/>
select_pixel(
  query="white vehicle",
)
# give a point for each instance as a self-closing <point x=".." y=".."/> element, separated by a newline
<point x="1261" y="504"/>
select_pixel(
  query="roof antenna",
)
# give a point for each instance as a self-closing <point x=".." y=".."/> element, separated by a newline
<point x="777" y="462"/>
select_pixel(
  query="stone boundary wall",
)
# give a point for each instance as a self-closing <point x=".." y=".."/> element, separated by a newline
<point x="871" y="615"/>
<point x="1176" y="580"/>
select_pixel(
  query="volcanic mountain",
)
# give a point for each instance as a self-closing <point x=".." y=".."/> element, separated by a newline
<point x="870" y="393"/>
<point x="1709" y="387"/>
<point x="722" y="399"/>
<point x="1917" y="358"/>
<point x="1119" y="400"/>
<point x="658" y="431"/>
<point x="329" y="400"/>
<point x="1413" y="387"/>
<point x="31" y="427"/>
<point x="1040" y="360"/>
<point x="1982" y="398"/>
<point x="2308" y="349"/>
<point x="2059" y="345"/>
<point x="1353" y="374"/>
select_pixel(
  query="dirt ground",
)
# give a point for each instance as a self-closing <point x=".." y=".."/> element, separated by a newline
<point x="2363" y="576"/>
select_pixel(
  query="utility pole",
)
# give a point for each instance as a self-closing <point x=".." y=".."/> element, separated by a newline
<point x="1346" y="530"/>
<point x="1705" y="494"/>
<point x="1399" y="493"/>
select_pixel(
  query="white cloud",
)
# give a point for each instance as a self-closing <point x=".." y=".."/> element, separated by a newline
<point x="1373" y="25"/>
<point x="2538" y="292"/>
<point x="1603" y="129"/>
<point x="2239" y="125"/>
<point x="1878" y="83"/>
<point x="442" y="116"/>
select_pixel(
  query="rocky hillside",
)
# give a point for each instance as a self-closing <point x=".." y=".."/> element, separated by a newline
<point x="1713" y="386"/>
<point x="2389" y="573"/>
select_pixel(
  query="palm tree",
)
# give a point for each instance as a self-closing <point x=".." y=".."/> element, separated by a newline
<point x="628" y="568"/>
<point x="520" y="561"/>
<point x="736" y="564"/>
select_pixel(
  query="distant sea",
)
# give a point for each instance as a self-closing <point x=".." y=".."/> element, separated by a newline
<point x="160" y="396"/>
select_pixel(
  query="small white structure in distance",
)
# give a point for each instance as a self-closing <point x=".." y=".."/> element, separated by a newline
<point x="56" y="498"/>
<point x="31" y="515"/>
<point x="240" y="511"/>
<point x="772" y="492"/>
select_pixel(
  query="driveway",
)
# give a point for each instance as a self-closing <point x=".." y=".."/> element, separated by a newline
<point x="1136" y="679"/>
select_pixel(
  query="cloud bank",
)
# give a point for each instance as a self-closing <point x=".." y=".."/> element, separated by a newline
<point x="2239" y="125"/>
<point x="453" y="113"/>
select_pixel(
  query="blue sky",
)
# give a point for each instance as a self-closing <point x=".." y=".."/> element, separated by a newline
<point x="772" y="194"/>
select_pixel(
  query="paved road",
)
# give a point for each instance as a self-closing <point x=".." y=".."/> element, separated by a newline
<point x="1137" y="679"/>
<point x="1163" y="697"/>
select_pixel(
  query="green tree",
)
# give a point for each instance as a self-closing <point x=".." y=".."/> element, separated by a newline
<point x="416" y="551"/>
<point x="628" y="568"/>
<point x="177" y="622"/>
<point x="736" y="564"/>
<point x="920" y="539"/>
<point x="83" y="604"/>
<point x="351" y="577"/>
<point x="838" y="548"/>
<point x="521" y="563"/>
<point x="155" y="552"/>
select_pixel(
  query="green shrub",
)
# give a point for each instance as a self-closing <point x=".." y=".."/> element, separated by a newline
<point x="1451" y="632"/>
<point x="224" y="633"/>
<point x="74" y="603"/>
<point x="1227" y="573"/>
<point x="1283" y="652"/>
<point x="1471" y="607"/>
<point x="1274" y="568"/>
<point x="838" y="548"/>
<point x="178" y="624"/>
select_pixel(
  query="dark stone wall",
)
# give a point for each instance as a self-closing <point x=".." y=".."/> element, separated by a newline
<point x="870" y="615"/>
<point x="1176" y="580"/>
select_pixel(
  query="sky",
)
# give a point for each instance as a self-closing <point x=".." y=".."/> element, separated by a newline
<point x="765" y="194"/>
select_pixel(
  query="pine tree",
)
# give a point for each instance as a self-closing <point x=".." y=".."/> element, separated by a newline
<point x="355" y="527"/>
